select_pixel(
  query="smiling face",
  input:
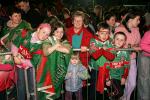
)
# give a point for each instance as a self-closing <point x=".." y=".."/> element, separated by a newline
<point x="103" y="34"/>
<point x="58" y="33"/>
<point x="43" y="33"/>
<point x="119" y="40"/>
<point x="78" y="22"/>
<point x="15" y="18"/>
<point x="111" y="21"/>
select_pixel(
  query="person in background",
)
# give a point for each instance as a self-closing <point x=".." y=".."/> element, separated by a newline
<point x="31" y="14"/>
<point x="143" y="86"/>
<point x="67" y="18"/>
<point x="88" y="24"/>
<point x="110" y="19"/>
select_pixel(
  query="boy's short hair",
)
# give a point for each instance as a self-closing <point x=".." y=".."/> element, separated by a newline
<point x="102" y="25"/>
<point x="121" y="33"/>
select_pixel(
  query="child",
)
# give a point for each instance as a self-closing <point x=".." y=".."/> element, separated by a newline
<point x="100" y="50"/>
<point x="57" y="50"/>
<point x="75" y="74"/>
<point x="118" y="68"/>
<point x="27" y="55"/>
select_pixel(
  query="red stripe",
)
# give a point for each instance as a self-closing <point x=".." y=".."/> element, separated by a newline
<point x="41" y="68"/>
<point x="48" y="81"/>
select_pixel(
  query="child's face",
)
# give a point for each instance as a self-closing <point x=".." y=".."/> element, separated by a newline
<point x="43" y="33"/>
<point x="119" y="40"/>
<point x="59" y="33"/>
<point x="103" y="34"/>
<point x="74" y="60"/>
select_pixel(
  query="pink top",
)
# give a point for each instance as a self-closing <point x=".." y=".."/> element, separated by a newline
<point x="145" y="43"/>
<point x="133" y="38"/>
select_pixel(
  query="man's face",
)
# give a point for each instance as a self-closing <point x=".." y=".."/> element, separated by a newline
<point x="23" y="5"/>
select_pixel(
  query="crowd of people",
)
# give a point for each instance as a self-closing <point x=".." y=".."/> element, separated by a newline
<point x="86" y="55"/>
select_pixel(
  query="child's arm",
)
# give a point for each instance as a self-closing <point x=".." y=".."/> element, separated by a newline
<point x="83" y="73"/>
<point x="5" y="67"/>
<point x="48" y="49"/>
<point x="64" y="48"/>
<point x="126" y="60"/>
<point x="95" y="51"/>
<point x="97" y="54"/>
<point x="108" y="55"/>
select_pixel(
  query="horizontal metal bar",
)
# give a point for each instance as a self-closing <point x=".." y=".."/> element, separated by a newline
<point x="122" y="49"/>
<point x="125" y="49"/>
<point x="133" y="5"/>
<point x="6" y="53"/>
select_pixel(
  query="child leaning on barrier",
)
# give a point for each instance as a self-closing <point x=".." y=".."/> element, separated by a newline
<point x="73" y="80"/>
<point x="100" y="50"/>
<point x="118" y="68"/>
<point x="27" y="56"/>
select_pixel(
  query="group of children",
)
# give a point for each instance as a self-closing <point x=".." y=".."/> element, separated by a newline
<point x="54" y="62"/>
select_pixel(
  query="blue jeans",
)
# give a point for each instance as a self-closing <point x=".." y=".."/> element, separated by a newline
<point x="143" y="86"/>
<point x="21" y="86"/>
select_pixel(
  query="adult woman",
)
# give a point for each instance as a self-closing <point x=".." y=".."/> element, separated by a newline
<point x="130" y="28"/>
<point x="13" y="28"/>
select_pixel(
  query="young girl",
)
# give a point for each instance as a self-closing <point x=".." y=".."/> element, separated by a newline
<point x="118" y="68"/>
<point x="57" y="50"/>
<point x="73" y="80"/>
<point x="27" y="54"/>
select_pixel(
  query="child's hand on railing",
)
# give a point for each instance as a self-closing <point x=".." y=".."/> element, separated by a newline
<point x="108" y="82"/>
<point x="123" y="80"/>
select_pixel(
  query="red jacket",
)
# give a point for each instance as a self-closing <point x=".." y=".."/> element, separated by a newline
<point x="84" y="56"/>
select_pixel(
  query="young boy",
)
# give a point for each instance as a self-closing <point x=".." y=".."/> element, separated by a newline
<point x="75" y="74"/>
<point x="100" y="50"/>
<point x="118" y="68"/>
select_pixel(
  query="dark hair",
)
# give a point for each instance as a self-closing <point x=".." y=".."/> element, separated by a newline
<point x="108" y="16"/>
<point x="87" y="19"/>
<point x="13" y="10"/>
<point x="18" y="1"/>
<point x="130" y="15"/>
<point x="58" y="24"/>
<point x="120" y="33"/>
<point x="52" y="9"/>
<point x="66" y="11"/>
<point x="103" y="25"/>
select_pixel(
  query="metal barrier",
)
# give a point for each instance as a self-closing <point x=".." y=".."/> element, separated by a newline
<point x="42" y="89"/>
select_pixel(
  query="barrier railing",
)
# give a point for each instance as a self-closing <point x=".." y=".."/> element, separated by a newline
<point x="42" y="89"/>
